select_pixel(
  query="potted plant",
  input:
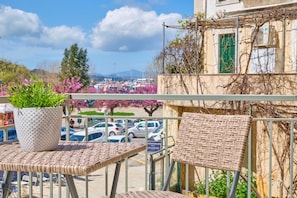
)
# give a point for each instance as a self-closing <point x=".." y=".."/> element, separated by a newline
<point x="38" y="115"/>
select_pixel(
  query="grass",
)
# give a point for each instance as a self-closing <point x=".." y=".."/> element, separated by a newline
<point x="90" y="113"/>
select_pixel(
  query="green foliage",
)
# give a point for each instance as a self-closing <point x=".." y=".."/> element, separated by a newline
<point x="34" y="94"/>
<point x="12" y="73"/>
<point x="75" y="65"/>
<point x="218" y="186"/>
<point x="101" y="113"/>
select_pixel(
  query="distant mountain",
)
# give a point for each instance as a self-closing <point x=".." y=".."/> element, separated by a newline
<point x="125" y="75"/>
<point x="131" y="74"/>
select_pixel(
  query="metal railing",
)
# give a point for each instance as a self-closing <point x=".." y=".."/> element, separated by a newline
<point x="288" y="183"/>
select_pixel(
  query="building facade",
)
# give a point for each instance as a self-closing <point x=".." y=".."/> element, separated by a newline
<point x="247" y="47"/>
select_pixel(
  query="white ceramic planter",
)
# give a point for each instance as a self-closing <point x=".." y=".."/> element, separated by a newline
<point x="38" y="129"/>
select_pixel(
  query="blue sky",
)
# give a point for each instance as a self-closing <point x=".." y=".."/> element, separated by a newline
<point x="119" y="35"/>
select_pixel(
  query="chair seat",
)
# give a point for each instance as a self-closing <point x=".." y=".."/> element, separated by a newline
<point x="149" y="194"/>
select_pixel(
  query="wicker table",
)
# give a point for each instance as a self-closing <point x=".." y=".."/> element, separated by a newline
<point x="70" y="158"/>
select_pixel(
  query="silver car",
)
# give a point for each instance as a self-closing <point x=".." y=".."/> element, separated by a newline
<point x="112" y="127"/>
<point x="140" y="129"/>
<point x="93" y="136"/>
<point x="124" y="123"/>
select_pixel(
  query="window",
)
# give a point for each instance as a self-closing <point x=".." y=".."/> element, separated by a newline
<point x="227" y="53"/>
<point x="100" y="125"/>
<point x="141" y="125"/>
<point x="94" y="136"/>
<point x="151" y="124"/>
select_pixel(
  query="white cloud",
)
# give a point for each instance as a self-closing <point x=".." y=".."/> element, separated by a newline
<point x="131" y="29"/>
<point x="57" y="37"/>
<point x="14" y="22"/>
<point x="60" y="34"/>
<point x="27" y="28"/>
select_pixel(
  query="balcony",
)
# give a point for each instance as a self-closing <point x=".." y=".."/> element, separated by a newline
<point x="270" y="160"/>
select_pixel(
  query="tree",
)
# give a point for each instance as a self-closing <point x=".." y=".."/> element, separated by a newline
<point x="150" y="106"/>
<point x="75" y="64"/>
<point x="69" y="86"/>
<point x="110" y="105"/>
<point x="12" y="73"/>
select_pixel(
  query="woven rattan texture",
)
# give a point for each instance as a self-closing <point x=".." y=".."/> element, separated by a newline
<point x="149" y="194"/>
<point x="73" y="158"/>
<point x="38" y="129"/>
<point x="213" y="141"/>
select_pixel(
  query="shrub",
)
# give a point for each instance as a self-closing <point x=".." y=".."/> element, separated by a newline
<point x="218" y="186"/>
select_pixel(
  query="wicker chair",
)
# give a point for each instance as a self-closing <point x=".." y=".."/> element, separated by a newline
<point x="206" y="140"/>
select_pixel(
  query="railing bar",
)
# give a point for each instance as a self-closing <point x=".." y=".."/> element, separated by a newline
<point x="274" y="119"/>
<point x="187" y="179"/>
<point x="166" y="147"/>
<point x="40" y="184"/>
<point x="126" y="173"/>
<point x="30" y="185"/>
<point x="126" y="160"/>
<point x="211" y="97"/>
<point x="207" y="182"/>
<point x="106" y="181"/>
<point x="19" y="177"/>
<point x="270" y="158"/>
<point x="291" y="157"/>
<point x="51" y="186"/>
<point x="59" y="188"/>
<point x="228" y="183"/>
<point x="162" y="171"/>
<point x="87" y="185"/>
<point x="249" y="162"/>
<point x="146" y="156"/>
<point x="106" y="168"/>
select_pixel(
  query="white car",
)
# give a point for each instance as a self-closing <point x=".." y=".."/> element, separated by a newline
<point x="118" y="138"/>
<point x="156" y="135"/>
<point x="140" y="129"/>
<point x="113" y="128"/>
<point x="125" y="122"/>
<point x="93" y="136"/>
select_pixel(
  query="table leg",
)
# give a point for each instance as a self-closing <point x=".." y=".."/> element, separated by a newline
<point x="6" y="186"/>
<point x="115" y="179"/>
<point x="71" y="186"/>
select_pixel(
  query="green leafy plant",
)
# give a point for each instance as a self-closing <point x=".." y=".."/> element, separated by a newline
<point x="34" y="94"/>
<point x="218" y="186"/>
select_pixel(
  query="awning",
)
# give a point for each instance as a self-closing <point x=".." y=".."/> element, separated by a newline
<point x="6" y="108"/>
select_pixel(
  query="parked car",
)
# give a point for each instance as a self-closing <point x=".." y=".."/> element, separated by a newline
<point x="156" y="135"/>
<point x="124" y="123"/>
<point x="137" y="121"/>
<point x="113" y="128"/>
<point x="63" y="132"/>
<point x="118" y="138"/>
<point x="12" y="135"/>
<point x="140" y="129"/>
<point x="93" y="136"/>
<point x="92" y="121"/>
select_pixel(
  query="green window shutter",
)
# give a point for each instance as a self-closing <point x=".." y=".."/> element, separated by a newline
<point x="227" y="53"/>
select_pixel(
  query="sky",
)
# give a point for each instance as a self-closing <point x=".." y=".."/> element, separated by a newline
<point x="119" y="35"/>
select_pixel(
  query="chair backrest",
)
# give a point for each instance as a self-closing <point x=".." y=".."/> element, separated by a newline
<point x="212" y="141"/>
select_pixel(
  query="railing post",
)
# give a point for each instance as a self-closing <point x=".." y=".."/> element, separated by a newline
<point x="152" y="174"/>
